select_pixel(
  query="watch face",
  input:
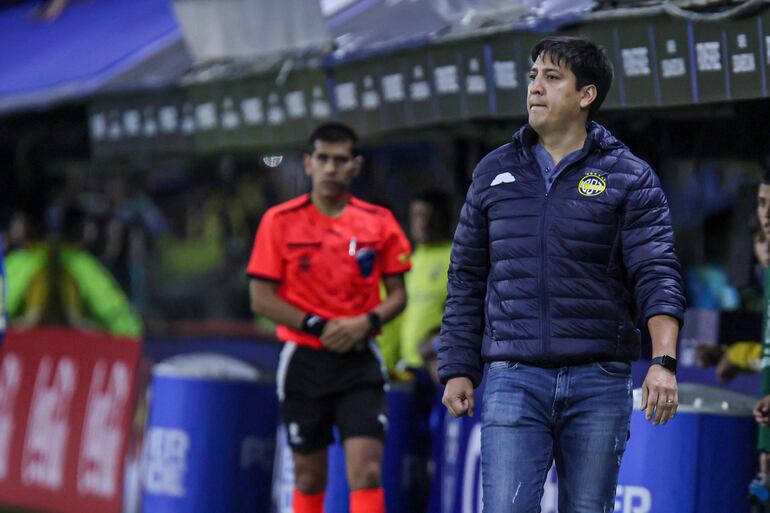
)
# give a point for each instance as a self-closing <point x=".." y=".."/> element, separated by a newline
<point x="668" y="363"/>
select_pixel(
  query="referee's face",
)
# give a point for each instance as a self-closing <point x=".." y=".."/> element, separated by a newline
<point x="332" y="166"/>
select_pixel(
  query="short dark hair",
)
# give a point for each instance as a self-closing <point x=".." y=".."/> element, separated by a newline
<point x="587" y="61"/>
<point x="440" y="222"/>
<point x="333" y="132"/>
<point x="765" y="173"/>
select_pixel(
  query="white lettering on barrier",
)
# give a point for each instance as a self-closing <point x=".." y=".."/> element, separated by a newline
<point x="505" y="74"/>
<point x="45" y="445"/>
<point x="320" y="109"/>
<point x="393" y="87"/>
<point x="206" y="115"/>
<point x="709" y="55"/>
<point x="10" y="381"/>
<point x="99" y="460"/>
<point x="451" y="451"/>
<point x="476" y="84"/>
<point x="447" y="79"/>
<point x="347" y="97"/>
<point x="169" y="119"/>
<point x="744" y="63"/>
<point x="673" y="67"/>
<point x="132" y="122"/>
<point x="472" y="472"/>
<point x="636" y="61"/>
<point x="283" y="474"/>
<point x="98" y="126"/>
<point x="164" y="462"/>
<point x="230" y="118"/>
<point x="251" y="110"/>
<point x="633" y="499"/>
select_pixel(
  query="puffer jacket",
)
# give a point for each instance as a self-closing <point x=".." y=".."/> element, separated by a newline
<point x="562" y="276"/>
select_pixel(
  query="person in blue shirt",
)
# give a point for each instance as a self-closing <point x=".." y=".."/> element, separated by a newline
<point x="564" y="242"/>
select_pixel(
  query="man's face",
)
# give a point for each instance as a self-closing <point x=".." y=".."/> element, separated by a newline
<point x="332" y="167"/>
<point x="419" y="221"/>
<point x="552" y="100"/>
<point x="763" y="208"/>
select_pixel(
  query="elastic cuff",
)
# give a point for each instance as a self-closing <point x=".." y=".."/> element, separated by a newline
<point x="671" y="311"/>
<point x="444" y="378"/>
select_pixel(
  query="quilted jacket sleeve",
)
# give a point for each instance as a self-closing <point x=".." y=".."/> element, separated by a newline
<point x="462" y="329"/>
<point x="648" y="250"/>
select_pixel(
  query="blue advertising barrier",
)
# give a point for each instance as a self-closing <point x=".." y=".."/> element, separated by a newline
<point x="210" y="440"/>
<point x="700" y="462"/>
<point x="401" y="459"/>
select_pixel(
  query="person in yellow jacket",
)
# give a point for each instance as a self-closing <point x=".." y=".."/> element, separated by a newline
<point x="430" y="226"/>
<point x="56" y="282"/>
<point x="730" y="360"/>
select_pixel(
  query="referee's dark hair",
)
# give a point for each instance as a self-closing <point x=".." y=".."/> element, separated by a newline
<point x="333" y="132"/>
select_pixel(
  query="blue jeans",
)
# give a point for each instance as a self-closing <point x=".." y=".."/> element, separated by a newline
<point x="577" y="416"/>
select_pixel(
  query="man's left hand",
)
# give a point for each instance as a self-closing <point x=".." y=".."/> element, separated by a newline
<point x="340" y="335"/>
<point x="659" y="394"/>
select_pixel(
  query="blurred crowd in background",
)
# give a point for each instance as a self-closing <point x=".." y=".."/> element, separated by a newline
<point x="174" y="239"/>
<point x="170" y="238"/>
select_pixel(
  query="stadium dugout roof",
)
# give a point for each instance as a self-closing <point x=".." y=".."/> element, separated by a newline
<point x="396" y="65"/>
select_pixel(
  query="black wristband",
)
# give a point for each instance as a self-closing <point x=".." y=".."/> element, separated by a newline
<point x="376" y="321"/>
<point x="665" y="361"/>
<point x="314" y="324"/>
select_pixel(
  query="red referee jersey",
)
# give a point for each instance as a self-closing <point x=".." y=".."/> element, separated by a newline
<point x="328" y="266"/>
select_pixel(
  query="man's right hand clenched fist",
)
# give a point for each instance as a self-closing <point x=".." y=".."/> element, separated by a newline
<point x="458" y="397"/>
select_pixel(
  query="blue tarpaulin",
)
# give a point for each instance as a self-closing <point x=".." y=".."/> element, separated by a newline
<point x="90" y="43"/>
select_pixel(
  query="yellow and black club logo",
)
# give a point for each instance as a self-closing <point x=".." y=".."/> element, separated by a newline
<point x="592" y="184"/>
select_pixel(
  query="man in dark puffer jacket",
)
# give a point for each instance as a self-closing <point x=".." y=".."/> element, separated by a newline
<point x="564" y="242"/>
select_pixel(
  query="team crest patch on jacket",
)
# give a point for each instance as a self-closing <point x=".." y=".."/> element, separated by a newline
<point x="592" y="184"/>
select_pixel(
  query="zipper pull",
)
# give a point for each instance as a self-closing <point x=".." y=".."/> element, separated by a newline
<point x="352" y="247"/>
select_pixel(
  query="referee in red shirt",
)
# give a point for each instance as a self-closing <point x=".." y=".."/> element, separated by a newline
<point x="316" y="269"/>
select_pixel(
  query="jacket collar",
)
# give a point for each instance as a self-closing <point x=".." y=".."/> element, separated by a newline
<point x="599" y="138"/>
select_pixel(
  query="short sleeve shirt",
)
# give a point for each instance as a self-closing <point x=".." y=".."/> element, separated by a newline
<point x="328" y="266"/>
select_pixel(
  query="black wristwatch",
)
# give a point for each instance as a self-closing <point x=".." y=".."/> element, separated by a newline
<point x="376" y="321"/>
<point x="665" y="361"/>
<point x="314" y="324"/>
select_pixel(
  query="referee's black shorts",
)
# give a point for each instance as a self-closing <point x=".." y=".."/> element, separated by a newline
<point x="320" y="389"/>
